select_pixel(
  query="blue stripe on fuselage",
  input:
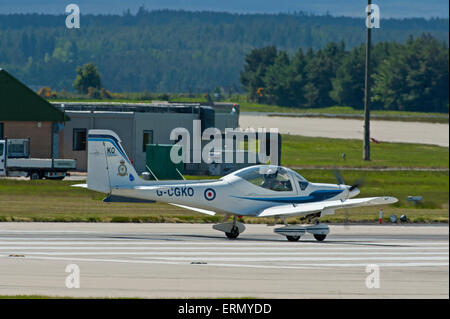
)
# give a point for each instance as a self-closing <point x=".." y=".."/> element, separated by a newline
<point x="316" y="196"/>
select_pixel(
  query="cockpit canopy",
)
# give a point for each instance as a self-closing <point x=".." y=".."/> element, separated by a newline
<point x="275" y="178"/>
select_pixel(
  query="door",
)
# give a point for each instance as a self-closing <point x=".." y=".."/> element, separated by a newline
<point x="2" y="159"/>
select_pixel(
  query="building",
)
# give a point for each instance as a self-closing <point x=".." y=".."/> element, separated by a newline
<point x="25" y="114"/>
<point x="137" y="124"/>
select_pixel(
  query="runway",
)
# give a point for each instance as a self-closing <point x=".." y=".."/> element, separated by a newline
<point x="193" y="260"/>
<point x="385" y="131"/>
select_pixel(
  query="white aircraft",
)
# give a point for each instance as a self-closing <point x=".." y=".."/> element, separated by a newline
<point x="259" y="191"/>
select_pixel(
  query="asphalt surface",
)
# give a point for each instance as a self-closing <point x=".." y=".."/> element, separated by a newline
<point x="385" y="131"/>
<point x="193" y="260"/>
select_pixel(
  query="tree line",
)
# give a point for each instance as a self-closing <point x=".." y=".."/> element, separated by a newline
<point x="175" y="51"/>
<point x="413" y="76"/>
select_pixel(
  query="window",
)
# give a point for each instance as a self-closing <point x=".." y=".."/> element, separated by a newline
<point x="79" y="139"/>
<point x="1" y="149"/>
<point x="270" y="177"/>
<point x="147" y="139"/>
<point x="302" y="182"/>
<point x="1" y="131"/>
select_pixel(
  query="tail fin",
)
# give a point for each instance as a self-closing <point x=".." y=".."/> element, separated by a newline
<point x="108" y="164"/>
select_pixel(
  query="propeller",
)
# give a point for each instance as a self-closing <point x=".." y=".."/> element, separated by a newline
<point x="357" y="184"/>
<point x="338" y="176"/>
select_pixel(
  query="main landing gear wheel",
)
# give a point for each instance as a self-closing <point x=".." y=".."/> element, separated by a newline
<point x="233" y="234"/>
<point x="293" y="238"/>
<point x="320" y="237"/>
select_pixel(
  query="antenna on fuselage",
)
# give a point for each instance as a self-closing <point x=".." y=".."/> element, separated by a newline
<point x="152" y="173"/>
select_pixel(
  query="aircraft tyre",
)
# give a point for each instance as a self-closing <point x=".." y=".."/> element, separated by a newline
<point x="233" y="234"/>
<point x="293" y="238"/>
<point x="320" y="237"/>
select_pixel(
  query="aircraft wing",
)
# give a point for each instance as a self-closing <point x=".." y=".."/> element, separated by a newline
<point x="199" y="210"/>
<point x="310" y="208"/>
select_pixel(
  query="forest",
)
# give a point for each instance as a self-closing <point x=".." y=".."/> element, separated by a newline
<point x="406" y="77"/>
<point x="181" y="51"/>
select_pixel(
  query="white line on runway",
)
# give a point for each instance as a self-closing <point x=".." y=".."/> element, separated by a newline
<point x="294" y="266"/>
<point x="297" y="248"/>
<point x="136" y="261"/>
<point x="378" y="264"/>
<point x="254" y="259"/>
<point x="234" y="243"/>
<point x="294" y="258"/>
<point x="203" y="253"/>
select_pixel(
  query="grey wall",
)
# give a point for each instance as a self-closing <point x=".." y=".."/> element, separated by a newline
<point x="130" y="128"/>
<point x="161" y="124"/>
<point x="121" y="123"/>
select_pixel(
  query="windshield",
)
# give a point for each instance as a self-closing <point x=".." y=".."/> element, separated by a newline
<point x="274" y="178"/>
<point x="302" y="182"/>
<point x="300" y="177"/>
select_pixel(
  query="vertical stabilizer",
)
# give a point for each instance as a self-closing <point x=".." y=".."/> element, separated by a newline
<point x="108" y="164"/>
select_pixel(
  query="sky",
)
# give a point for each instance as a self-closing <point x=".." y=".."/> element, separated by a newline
<point x="352" y="8"/>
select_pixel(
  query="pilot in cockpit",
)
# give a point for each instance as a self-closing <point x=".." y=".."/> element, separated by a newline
<point x="271" y="182"/>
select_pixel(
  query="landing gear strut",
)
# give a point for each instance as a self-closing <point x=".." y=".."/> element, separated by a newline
<point x="234" y="232"/>
<point x="231" y="229"/>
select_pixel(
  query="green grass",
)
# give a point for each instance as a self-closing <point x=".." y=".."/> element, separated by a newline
<point x="56" y="201"/>
<point x="348" y="112"/>
<point x="33" y="297"/>
<point x="326" y="152"/>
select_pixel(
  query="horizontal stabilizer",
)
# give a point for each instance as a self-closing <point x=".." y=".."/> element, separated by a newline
<point x="80" y="185"/>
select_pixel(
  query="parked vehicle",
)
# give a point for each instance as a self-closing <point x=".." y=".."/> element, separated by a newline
<point x="15" y="161"/>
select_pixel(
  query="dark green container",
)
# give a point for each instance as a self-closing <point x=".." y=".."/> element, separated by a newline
<point x="158" y="160"/>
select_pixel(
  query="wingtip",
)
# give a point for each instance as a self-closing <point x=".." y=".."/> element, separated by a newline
<point x="389" y="200"/>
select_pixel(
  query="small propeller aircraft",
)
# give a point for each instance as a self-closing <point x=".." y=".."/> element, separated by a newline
<point x="259" y="191"/>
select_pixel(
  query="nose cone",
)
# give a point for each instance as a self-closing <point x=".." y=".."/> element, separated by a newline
<point x="354" y="192"/>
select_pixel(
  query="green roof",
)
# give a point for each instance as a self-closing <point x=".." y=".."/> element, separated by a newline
<point x="19" y="103"/>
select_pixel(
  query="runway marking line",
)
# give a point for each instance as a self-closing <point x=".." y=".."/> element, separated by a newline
<point x="293" y="266"/>
<point x="207" y="253"/>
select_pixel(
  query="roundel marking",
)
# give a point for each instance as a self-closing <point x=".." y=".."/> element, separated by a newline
<point x="210" y="194"/>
